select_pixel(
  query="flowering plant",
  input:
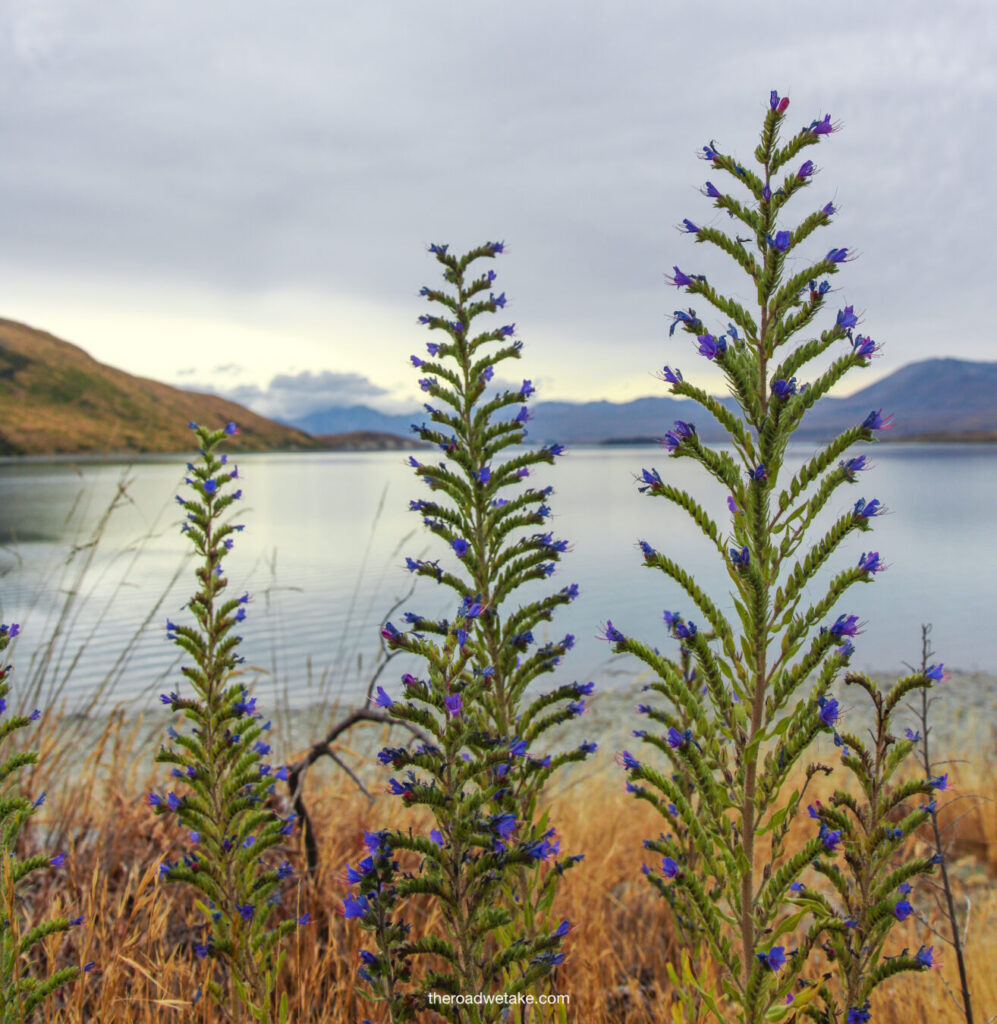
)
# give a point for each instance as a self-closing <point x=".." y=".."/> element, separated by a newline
<point x="20" y="992"/>
<point x="741" y="722"/>
<point x="221" y="763"/>
<point x="482" y="862"/>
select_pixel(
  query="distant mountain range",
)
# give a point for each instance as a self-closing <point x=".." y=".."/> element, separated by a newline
<point x="936" y="399"/>
<point x="57" y="399"/>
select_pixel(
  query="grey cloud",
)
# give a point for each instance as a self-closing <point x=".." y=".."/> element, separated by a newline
<point x="322" y="146"/>
<point x="290" y="396"/>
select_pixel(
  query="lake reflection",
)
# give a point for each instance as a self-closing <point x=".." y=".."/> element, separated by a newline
<point x="326" y="537"/>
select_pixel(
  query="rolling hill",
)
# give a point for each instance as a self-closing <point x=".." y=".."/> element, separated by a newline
<point x="57" y="399"/>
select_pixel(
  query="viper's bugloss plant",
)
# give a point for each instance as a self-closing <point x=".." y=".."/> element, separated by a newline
<point x="221" y="767"/>
<point x="21" y="992"/>
<point x="864" y="856"/>
<point x="491" y="861"/>
<point x="760" y="696"/>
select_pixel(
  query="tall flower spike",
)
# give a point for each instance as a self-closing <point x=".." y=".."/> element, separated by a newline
<point x="21" y="991"/>
<point x="221" y="762"/>
<point x="754" y="689"/>
<point x="473" y="701"/>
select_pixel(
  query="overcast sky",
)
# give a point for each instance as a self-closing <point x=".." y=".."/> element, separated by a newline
<point x="239" y="195"/>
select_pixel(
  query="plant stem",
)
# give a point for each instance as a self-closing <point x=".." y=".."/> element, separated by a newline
<point x="926" y="653"/>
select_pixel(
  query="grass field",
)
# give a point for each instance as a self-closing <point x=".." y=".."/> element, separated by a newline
<point x="140" y="932"/>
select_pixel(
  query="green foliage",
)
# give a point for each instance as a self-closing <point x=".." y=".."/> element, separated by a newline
<point x="729" y="731"/>
<point x="871" y="886"/>
<point x="221" y="763"/>
<point x="490" y="863"/>
<point x="21" y="990"/>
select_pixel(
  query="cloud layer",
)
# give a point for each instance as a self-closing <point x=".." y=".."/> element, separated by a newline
<point x="242" y="149"/>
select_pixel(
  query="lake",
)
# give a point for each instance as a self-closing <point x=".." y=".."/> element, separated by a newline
<point x="324" y="549"/>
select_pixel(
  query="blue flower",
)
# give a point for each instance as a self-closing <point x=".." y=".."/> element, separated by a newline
<point x="58" y="860"/>
<point x="682" y="432"/>
<point x="806" y="170"/>
<point x="651" y="478"/>
<point x="672" y="376"/>
<point x="454" y="704"/>
<point x="864" y="347"/>
<point x="355" y="906"/>
<point x="498" y="301"/>
<point x="382" y="700"/>
<point x="824" y="127"/>
<point x="784" y="388"/>
<point x="829" y="710"/>
<point x="871" y="562"/>
<point x="859" y="1014"/>
<point x="781" y="242"/>
<point x="925" y="957"/>
<point x="679" y="279"/>
<point x="936" y="672"/>
<point x="688" y="227"/>
<point x="711" y="347"/>
<point x="682" y="316"/>
<point x="503" y="825"/>
<point x="679" y="740"/>
<point x="875" y="421"/>
<point x="846" y="625"/>
<point x="773" y="959"/>
<point x="853" y="466"/>
<point x="669" y="867"/>
<point x="902" y="910"/>
<point x="847" y="318"/>
<point x="460" y="546"/>
<point x="711" y="190"/>
<point x="868" y="510"/>
<point x="526" y="390"/>
<point x="837" y="256"/>
<point x="913" y="736"/>
<point x="829" y="837"/>
<point x="611" y="633"/>
<point x="740" y="558"/>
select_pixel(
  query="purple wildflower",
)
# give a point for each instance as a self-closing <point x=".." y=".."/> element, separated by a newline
<point x="773" y="959"/>
<point x="847" y="318"/>
<point x="824" y="127"/>
<point x="829" y="710"/>
<point x="805" y="171"/>
<point x="711" y="347"/>
<point x="871" y="562"/>
<point x="846" y="625"/>
<point x="876" y="421"/>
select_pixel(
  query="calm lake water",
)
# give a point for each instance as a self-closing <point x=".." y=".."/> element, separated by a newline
<point x="325" y="542"/>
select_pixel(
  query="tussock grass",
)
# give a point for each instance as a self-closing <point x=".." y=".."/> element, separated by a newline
<point x="141" y="932"/>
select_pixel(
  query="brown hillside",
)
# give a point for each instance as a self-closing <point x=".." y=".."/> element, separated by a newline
<point x="54" y="398"/>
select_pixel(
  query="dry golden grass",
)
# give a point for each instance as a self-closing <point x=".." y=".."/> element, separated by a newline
<point x="140" y="932"/>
